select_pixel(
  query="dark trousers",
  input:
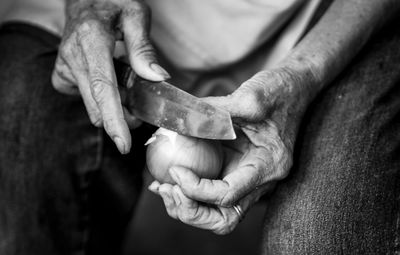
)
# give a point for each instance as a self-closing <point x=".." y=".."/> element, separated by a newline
<point x="64" y="189"/>
<point x="343" y="193"/>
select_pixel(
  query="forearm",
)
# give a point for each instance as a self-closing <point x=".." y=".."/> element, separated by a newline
<point x="335" y="40"/>
<point x="322" y="54"/>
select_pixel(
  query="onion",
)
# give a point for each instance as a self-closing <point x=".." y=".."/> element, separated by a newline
<point x="167" y="149"/>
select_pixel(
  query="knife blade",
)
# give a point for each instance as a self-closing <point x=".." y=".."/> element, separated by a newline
<point x="164" y="105"/>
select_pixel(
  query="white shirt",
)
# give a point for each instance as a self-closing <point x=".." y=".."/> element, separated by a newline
<point x="201" y="35"/>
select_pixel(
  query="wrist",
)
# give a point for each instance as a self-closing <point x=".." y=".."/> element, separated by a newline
<point x="304" y="78"/>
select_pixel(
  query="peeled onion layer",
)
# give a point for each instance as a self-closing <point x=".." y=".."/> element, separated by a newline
<point x="166" y="149"/>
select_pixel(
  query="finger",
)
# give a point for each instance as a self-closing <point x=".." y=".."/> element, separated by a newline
<point x="86" y="94"/>
<point x="70" y="57"/>
<point x="154" y="186"/>
<point x="165" y="191"/>
<point x="62" y="78"/>
<point x="135" y="26"/>
<point x="225" y="192"/>
<point x="245" y="104"/>
<point x="97" y="53"/>
<point x="218" y="220"/>
<point x="242" y="206"/>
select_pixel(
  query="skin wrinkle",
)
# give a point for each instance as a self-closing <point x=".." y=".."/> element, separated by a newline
<point x="224" y="226"/>
<point x="225" y="198"/>
<point x="269" y="91"/>
<point x="94" y="26"/>
<point x="194" y="216"/>
<point x="65" y="51"/>
<point x="283" y="94"/>
<point x="142" y="47"/>
<point x="275" y="148"/>
<point x="259" y="177"/>
<point x="227" y="220"/>
<point x="99" y="86"/>
<point x="228" y="198"/>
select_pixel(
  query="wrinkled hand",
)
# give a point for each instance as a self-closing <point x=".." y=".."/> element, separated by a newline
<point x="85" y="60"/>
<point x="264" y="108"/>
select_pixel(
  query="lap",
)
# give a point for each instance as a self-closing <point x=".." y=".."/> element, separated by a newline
<point x="60" y="177"/>
<point x="342" y="196"/>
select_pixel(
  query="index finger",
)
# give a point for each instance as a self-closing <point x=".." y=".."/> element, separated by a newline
<point x="97" y="53"/>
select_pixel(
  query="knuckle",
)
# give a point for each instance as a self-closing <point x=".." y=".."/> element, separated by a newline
<point x="171" y="213"/>
<point x="67" y="48"/>
<point x="87" y="28"/>
<point x="223" y="231"/>
<point x="95" y="119"/>
<point x="227" y="199"/>
<point x="60" y="81"/>
<point x="62" y="73"/>
<point x="225" y="228"/>
<point x="252" y="101"/>
<point x="284" y="164"/>
<point x="99" y="88"/>
<point x="281" y="157"/>
<point x="97" y="122"/>
<point x="226" y="194"/>
<point x="138" y="9"/>
<point x="65" y="52"/>
<point x="188" y="217"/>
<point x="56" y="80"/>
<point x="88" y="25"/>
<point x="257" y="107"/>
<point x="142" y="47"/>
<point x="185" y="218"/>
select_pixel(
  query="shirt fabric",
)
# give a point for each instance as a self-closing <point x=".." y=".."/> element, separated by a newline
<point x="202" y="36"/>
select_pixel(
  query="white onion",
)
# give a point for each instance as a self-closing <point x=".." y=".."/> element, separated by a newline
<point x="167" y="149"/>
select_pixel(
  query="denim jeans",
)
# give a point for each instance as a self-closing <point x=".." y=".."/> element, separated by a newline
<point x="343" y="193"/>
<point x="64" y="188"/>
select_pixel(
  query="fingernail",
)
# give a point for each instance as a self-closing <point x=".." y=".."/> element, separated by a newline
<point x="174" y="175"/>
<point x="153" y="187"/>
<point x="159" y="70"/>
<point x="120" y="145"/>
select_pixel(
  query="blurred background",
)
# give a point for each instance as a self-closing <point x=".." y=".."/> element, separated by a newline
<point x="4" y="4"/>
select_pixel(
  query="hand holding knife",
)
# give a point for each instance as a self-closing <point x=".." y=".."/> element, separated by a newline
<point x="164" y="105"/>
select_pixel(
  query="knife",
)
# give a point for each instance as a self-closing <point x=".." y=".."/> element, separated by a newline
<point x="164" y="105"/>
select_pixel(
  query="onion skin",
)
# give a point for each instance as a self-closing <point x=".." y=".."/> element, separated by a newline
<point x="167" y="149"/>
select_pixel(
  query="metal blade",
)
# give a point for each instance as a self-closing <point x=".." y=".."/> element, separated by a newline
<point x="164" y="105"/>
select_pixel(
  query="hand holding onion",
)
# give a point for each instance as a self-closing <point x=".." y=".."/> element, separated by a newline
<point x="167" y="149"/>
<point x="253" y="162"/>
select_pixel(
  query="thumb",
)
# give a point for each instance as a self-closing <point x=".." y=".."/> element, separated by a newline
<point x="142" y="56"/>
<point x="223" y="192"/>
<point x="245" y="104"/>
